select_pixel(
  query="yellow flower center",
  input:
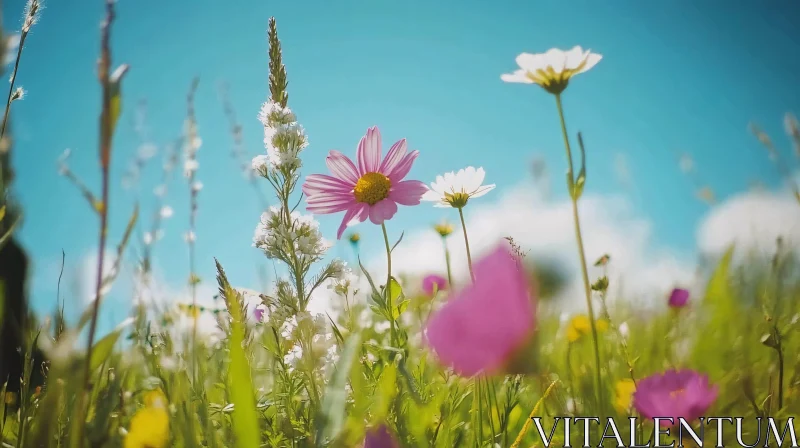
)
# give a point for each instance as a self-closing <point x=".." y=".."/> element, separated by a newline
<point x="457" y="200"/>
<point x="372" y="188"/>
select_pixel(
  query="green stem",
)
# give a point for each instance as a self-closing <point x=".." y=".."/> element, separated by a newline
<point x="389" y="303"/>
<point x="466" y="242"/>
<point x="447" y="262"/>
<point x="479" y="415"/>
<point x="582" y="253"/>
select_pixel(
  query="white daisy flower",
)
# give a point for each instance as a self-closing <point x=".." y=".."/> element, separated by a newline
<point x="455" y="189"/>
<point x="552" y="70"/>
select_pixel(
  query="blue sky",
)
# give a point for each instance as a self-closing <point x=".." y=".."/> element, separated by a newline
<point x="676" y="76"/>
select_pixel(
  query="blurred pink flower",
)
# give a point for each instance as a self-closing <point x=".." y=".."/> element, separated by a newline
<point x="679" y="298"/>
<point x="481" y="327"/>
<point x="433" y="282"/>
<point x="380" y="437"/>
<point x="258" y="313"/>
<point x="371" y="189"/>
<point x="674" y="394"/>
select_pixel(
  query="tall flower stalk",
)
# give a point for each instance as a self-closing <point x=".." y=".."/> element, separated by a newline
<point x="191" y="145"/>
<point x="444" y="229"/>
<point x="284" y="234"/>
<point x="552" y="71"/>
<point x="575" y="186"/>
<point x="30" y="17"/>
<point x="111" y="102"/>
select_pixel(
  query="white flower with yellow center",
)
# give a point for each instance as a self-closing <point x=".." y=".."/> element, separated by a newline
<point x="456" y="189"/>
<point x="552" y="70"/>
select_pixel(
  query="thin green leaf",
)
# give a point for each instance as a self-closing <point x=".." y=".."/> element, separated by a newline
<point x="240" y="381"/>
<point x="332" y="412"/>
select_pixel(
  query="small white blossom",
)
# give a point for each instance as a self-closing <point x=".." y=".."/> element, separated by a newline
<point x="197" y="186"/>
<point x="190" y="166"/>
<point x="624" y="331"/>
<point x="276" y="239"/>
<point x="147" y="238"/>
<point x="284" y="138"/>
<point x="189" y="237"/>
<point x="166" y="211"/>
<point x="260" y="164"/>
<point x="294" y="356"/>
<point x="272" y="112"/>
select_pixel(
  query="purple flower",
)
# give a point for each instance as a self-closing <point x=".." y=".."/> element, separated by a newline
<point x="433" y="282"/>
<point x="258" y="313"/>
<point x="674" y="394"/>
<point x="679" y="298"/>
<point x="380" y="437"/>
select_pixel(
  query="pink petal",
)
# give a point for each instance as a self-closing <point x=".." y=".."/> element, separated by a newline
<point x="342" y="167"/>
<point x="324" y="203"/>
<point x="361" y="216"/>
<point x="353" y="213"/>
<point x="369" y="151"/>
<point x="394" y="156"/>
<point x="382" y="211"/>
<point x="322" y="183"/>
<point x="408" y="192"/>
<point x="485" y="323"/>
<point x="401" y="170"/>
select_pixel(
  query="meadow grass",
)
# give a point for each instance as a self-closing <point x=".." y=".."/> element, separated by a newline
<point x="278" y="376"/>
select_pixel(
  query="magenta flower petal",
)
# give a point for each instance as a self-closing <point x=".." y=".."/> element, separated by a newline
<point x="322" y="183"/>
<point x="675" y="394"/>
<point x="433" y="282"/>
<point x="484" y="324"/>
<point x="369" y="151"/>
<point x="401" y="169"/>
<point x="342" y="167"/>
<point x="408" y="192"/>
<point x="679" y="298"/>
<point x="258" y="313"/>
<point x="382" y="211"/>
<point x="380" y="437"/>
<point x="395" y="155"/>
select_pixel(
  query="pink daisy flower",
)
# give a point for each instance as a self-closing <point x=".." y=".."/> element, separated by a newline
<point x="433" y="281"/>
<point x="484" y="324"/>
<point x="673" y="394"/>
<point x="370" y="188"/>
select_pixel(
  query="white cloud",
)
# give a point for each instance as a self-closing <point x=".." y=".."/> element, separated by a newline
<point x="640" y="271"/>
<point x="753" y="221"/>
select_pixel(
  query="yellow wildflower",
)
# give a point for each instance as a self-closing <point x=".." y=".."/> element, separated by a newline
<point x="355" y="238"/>
<point x="623" y="396"/>
<point x="155" y="399"/>
<point x="580" y="326"/>
<point x="189" y="309"/>
<point x="149" y="427"/>
<point x="443" y="229"/>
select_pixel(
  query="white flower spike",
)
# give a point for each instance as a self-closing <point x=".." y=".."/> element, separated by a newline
<point x="456" y="189"/>
<point x="552" y="70"/>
